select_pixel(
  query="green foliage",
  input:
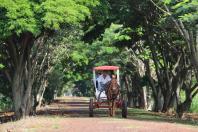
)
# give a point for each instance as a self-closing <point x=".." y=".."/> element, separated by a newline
<point x="58" y="12"/>
<point x="75" y="58"/>
<point x="106" y="51"/>
<point x="194" y="105"/>
<point x="182" y="95"/>
<point x="70" y="58"/>
<point x="140" y="26"/>
<point x="115" y="33"/>
<point x="1" y="66"/>
<point x="150" y="31"/>
<point x="140" y="31"/>
<point x="79" y="56"/>
<point x="17" y="17"/>
<point x="31" y="16"/>
<point x="146" y="54"/>
<point x="5" y="103"/>
<point x="186" y="10"/>
<point x="55" y="84"/>
<point x="167" y="1"/>
<point x="5" y="88"/>
<point x="38" y="19"/>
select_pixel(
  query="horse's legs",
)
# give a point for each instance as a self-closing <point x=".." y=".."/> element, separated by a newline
<point x="109" y="104"/>
<point x="113" y="107"/>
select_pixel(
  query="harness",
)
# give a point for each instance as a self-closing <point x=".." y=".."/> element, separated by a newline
<point x="110" y="92"/>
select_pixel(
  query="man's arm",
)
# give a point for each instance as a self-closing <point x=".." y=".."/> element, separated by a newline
<point x="108" y="78"/>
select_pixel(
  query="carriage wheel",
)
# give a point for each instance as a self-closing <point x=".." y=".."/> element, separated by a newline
<point x="91" y="108"/>
<point x="124" y="109"/>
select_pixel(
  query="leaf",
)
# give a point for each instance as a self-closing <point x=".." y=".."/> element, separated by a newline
<point x="1" y="66"/>
<point x="167" y="1"/>
<point x="180" y="4"/>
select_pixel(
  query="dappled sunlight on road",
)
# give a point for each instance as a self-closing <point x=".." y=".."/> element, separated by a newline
<point x="70" y="114"/>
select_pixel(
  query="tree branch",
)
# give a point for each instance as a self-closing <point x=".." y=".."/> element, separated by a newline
<point x="159" y="7"/>
<point x="8" y="76"/>
<point x="195" y="93"/>
<point x="176" y="65"/>
<point x="12" y="51"/>
<point x="194" y="87"/>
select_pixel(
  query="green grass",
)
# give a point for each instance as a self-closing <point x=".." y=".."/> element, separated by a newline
<point x="140" y="114"/>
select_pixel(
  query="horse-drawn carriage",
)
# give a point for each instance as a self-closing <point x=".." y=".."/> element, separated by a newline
<point x="103" y="99"/>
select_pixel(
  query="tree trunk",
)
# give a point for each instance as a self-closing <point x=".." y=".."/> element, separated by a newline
<point x="129" y="91"/>
<point x="159" y="101"/>
<point x="19" y="50"/>
<point x="145" y="97"/>
<point x="17" y="97"/>
<point x="130" y="99"/>
<point x="21" y="96"/>
<point x="183" y="107"/>
<point x="188" y="88"/>
<point x="42" y="93"/>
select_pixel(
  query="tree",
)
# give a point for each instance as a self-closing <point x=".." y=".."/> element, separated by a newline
<point x="162" y="41"/>
<point x="22" y="22"/>
<point x="183" y="16"/>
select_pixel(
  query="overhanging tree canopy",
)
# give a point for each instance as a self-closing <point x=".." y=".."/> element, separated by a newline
<point x="22" y="22"/>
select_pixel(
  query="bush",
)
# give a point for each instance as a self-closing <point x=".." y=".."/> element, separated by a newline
<point x="194" y="105"/>
<point x="5" y="103"/>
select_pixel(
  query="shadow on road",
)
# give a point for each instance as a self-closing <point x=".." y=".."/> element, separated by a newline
<point x="70" y="107"/>
<point x="76" y="107"/>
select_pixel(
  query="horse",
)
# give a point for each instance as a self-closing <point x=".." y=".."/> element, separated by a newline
<point x="112" y="91"/>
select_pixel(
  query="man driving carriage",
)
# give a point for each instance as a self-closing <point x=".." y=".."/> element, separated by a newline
<point x="102" y="80"/>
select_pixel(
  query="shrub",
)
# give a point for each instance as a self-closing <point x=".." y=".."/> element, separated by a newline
<point x="194" y="105"/>
<point x="5" y="103"/>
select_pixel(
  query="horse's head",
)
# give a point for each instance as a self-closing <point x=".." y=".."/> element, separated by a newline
<point x="114" y="85"/>
<point x="112" y="88"/>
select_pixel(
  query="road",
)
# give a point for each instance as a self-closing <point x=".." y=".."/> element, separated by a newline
<point x="70" y="114"/>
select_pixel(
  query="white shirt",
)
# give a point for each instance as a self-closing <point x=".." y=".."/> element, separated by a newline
<point x="101" y="81"/>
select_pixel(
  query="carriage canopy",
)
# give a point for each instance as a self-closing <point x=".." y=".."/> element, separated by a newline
<point x="106" y="68"/>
